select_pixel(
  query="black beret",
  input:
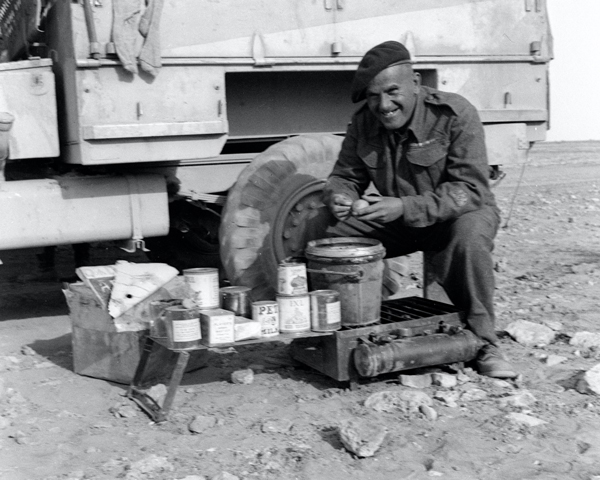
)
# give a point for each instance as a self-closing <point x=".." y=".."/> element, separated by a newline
<point x="375" y="60"/>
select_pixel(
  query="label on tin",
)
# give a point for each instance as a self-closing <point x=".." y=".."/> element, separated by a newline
<point x="292" y="279"/>
<point x="186" y="330"/>
<point x="294" y="314"/>
<point x="334" y="312"/>
<point x="267" y="314"/>
<point x="203" y="286"/>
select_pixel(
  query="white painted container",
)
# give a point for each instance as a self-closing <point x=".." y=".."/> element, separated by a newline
<point x="267" y="313"/>
<point x="294" y="313"/>
<point x="291" y="278"/>
<point x="203" y="287"/>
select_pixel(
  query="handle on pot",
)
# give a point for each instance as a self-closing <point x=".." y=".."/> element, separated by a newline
<point x="357" y="275"/>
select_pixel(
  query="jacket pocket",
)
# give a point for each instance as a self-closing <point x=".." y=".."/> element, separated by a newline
<point x="427" y="154"/>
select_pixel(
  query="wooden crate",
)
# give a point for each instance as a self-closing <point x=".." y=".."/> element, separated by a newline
<point x="100" y="350"/>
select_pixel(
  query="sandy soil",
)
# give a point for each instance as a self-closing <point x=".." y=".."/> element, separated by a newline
<point x="55" y="424"/>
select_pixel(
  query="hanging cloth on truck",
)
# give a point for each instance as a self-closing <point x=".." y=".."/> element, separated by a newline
<point x="136" y="35"/>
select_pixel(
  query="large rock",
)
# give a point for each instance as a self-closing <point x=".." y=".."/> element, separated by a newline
<point x="589" y="383"/>
<point x="393" y="400"/>
<point x="523" y="419"/>
<point x="200" y="423"/>
<point x="585" y="340"/>
<point x="361" y="437"/>
<point x="530" y="334"/>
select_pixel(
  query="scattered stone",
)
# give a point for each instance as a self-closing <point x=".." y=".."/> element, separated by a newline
<point x="589" y="383"/>
<point x="257" y="367"/>
<point x="3" y="390"/>
<point x="276" y="425"/>
<point x="92" y="450"/>
<point x="521" y="400"/>
<point x="444" y="380"/>
<point x="463" y="377"/>
<point x="225" y="476"/>
<point x="585" y="340"/>
<point x="145" y="467"/>
<point x="415" y="381"/>
<point x="553" y="360"/>
<point x="394" y="400"/>
<point x="123" y="410"/>
<point x="473" y="395"/>
<point x="500" y="383"/>
<point x="522" y="418"/>
<point x="530" y="334"/>
<point x="200" y="423"/>
<point x="243" y="377"/>
<point x="428" y="412"/>
<point x="363" y="438"/>
<point x="450" y="399"/>
<point x="554" y="325"/>
<point x="27" y="350"/>
<point x="4" y="423"/>
<point x="194" y="477"/>
<point x="157" y="393"/>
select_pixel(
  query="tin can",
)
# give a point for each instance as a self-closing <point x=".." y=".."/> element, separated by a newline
<point x="291" y="278"/>
<point x="202" y="286"/>
<point x="325" y="311"/>
<point x="237" y="300"/>
<point x="294" y="313"/>
<point x="182" y="327"/>
<point x="158" y="327"/>
<point x="267" y="313"/>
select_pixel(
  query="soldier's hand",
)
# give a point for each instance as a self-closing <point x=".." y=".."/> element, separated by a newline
<point x="380" y="209"/>
<point x="340" y="205"/>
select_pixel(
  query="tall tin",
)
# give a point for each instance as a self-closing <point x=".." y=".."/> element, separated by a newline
<point x="294" y="313"/>
<point x="182" y="327"/>
<point x="325" y="312"/>
<point x="291" y="278"/>
<point x="267" y="313"/>
<point x="202" y="286"/>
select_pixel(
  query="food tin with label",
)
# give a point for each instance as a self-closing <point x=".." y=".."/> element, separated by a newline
<point x="217" y="326"/>
<point x="294" y="313"/>
<point x="291" y="278"/>
<point x="237" y="300"/>
<point x="202" y="286"/>
<point x="325" y="312"/>
<point x="267" y="313"/>
<point x="182" y="327"/>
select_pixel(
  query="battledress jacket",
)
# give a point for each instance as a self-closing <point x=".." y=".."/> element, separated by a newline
<point x="439" y="169"/>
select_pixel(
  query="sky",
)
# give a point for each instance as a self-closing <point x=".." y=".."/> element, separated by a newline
<point x="575" y="70"/>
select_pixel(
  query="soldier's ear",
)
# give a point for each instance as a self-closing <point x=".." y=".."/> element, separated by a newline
<point x="417" y="80"/>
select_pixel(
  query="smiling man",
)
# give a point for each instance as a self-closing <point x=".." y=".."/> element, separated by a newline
<point x="424" y="152"/>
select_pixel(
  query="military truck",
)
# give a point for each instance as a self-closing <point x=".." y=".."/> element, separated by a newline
<point x="203" y="130"/>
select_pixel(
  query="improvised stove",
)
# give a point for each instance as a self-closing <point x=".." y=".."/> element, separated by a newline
<point x="412" y="332"/>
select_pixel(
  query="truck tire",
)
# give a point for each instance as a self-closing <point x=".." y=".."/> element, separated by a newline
<point x="274" y="209"/>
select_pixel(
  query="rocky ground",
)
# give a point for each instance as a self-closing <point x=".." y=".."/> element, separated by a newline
<point x="290" y="422"/>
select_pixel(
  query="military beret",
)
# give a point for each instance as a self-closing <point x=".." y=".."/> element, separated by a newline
<point x="375" y="60"/>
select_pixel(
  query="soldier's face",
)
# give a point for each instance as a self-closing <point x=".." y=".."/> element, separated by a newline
<point x="392" y="95"/>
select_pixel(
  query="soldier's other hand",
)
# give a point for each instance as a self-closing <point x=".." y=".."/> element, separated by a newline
<point x="340" y="206"/>
<point x="381" y="209"/>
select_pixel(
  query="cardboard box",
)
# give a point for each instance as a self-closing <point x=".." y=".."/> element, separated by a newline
<point x="217" y="326"/>
<point x="102" y="350"/>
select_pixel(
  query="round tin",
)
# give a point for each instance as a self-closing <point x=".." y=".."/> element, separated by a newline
<point x="294" y="313"/>
<point x="291" y="278"/>
<point x="267" y="313"/>
<point x="236" y="299"/>
<point x="183" y="327"/>
<point x="325" y="312"/>
<point x="203" y="286"/>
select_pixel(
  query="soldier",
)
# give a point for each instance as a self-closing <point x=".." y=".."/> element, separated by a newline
<point x="424" y="151"/>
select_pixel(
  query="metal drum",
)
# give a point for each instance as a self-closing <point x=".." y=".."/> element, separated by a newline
<point x="353" y="266"/>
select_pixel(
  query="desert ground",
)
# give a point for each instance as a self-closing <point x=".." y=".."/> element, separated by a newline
<point x="286" y="422"/>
